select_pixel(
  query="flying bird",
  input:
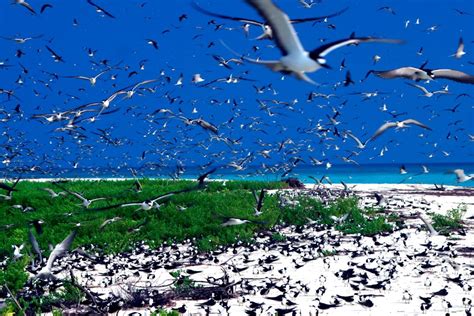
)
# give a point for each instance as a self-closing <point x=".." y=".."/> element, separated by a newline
<point x="295" y="59"/>
<point x="460" y="50"/>
<point x="427" y="93"/>
<point x="397" y="125"/>
<point x="55" y="56"/>
<point x="58" y="251"/>
<point x="461" y="176"/>
<point x="85" y="202"/>
<point x="100" y="9"/>
<point x="92" y="80"/>
<point x="418" y="74"/>
<point x="26" y="5"/>
<point x="45" y="6"/>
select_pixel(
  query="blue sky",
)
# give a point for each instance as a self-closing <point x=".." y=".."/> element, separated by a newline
<point x="183" y="47"/>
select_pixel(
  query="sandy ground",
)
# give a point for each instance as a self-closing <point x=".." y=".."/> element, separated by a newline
<point x="391" y="271"/>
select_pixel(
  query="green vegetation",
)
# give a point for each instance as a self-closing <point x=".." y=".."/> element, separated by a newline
<point x="163" y="312"/>
<point x="278" y="237"/>
<point x="444" y="224"/>
<point x="182" y="282"/>
<point x="197" y="214"/>
<point x="345" y="214"/>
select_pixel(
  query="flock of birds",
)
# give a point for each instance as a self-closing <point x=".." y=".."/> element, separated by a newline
<point x="121" y="129"/>
<point x="180" y="129"/>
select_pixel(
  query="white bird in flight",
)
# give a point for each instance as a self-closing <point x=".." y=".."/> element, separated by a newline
<point x="295" y="59"/>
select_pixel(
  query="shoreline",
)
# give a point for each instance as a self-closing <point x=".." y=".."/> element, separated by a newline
<point x="307" y="184"/>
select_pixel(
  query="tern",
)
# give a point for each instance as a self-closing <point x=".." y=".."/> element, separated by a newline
<point x="232" y="221"/>
<point x="360" y="145"/>
<point x="460" y="50"/>
<point x="295" y="59"/>
<point x="85" y="202"/>
<point x="397" y="125"/>
<point x="427" y="93"/>
<point x="58" y="251"/>
<point x="92" y="80"/>
<point x="54" y="194"/>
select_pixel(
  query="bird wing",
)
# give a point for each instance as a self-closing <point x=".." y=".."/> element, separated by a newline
<point x="6" y="187"/>
<point x="382" y="129"/>
<point x="323" y="50"/>
<point x="355" y="138"/>
<point x="28" y="6"/>
<point x="77" y="195"/>
<point x="129" y="204"/>
<point x="404" y="72"/>
<point x="417" y="123"/>
<point x="226" y="17"/>
<point x="100" y="9"/>
<point x="418" y="87"/>
<point x="319" y="18"/>
<point x="460" y="46"/>
<point x="254" y="22"/>
<point x="45" y="6"/>
<point x="60" y="249"/>
<point x="34" y="244"/>
<point x="284" y="34"/>
<point x="70" y="192"/>
<point x="459" y="173"/>
<point x="454" y="75"/>
<point x="260" y="200"/>
<point x="143" y="82"/>
<point x="49" y="191"/>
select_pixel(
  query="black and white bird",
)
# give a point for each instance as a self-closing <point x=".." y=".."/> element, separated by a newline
<point x="295" y="59"/>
